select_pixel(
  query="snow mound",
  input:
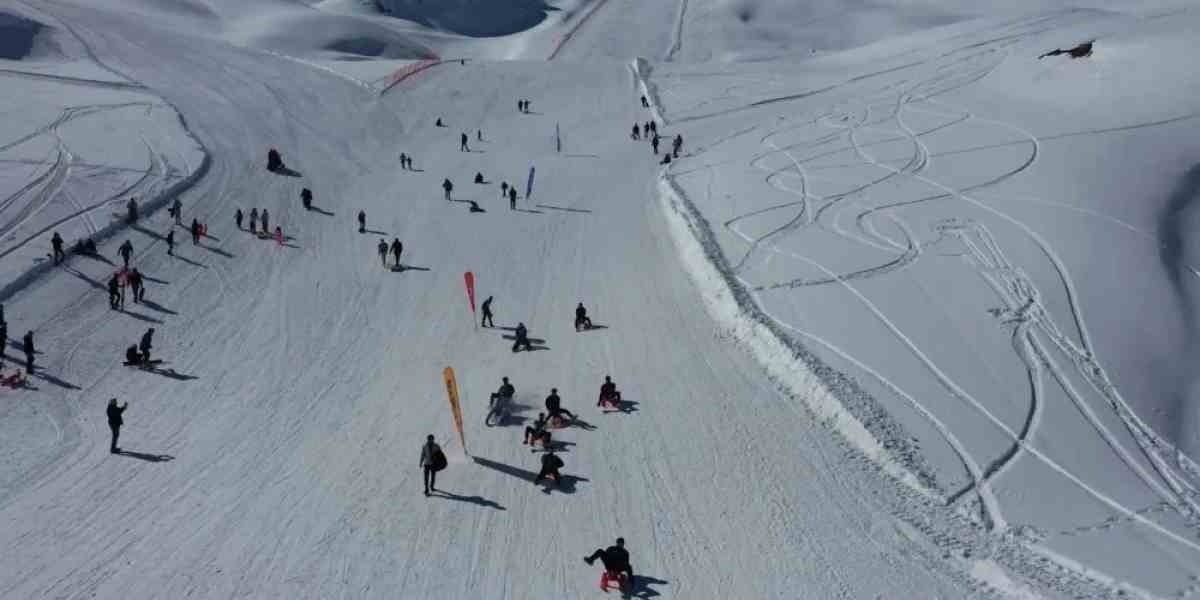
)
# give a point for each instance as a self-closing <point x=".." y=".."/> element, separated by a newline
<point x="26" y="39"/>
<point x="475" y="18"/>
<point x="317" y="34"/>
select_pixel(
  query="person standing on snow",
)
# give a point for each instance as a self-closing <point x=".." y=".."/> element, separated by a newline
<point x="146" y="344"/>
<point x="383" y="251"/>
<point x="362" y="221"/>
<point x="645" y="103"/>
<point x="522" y="338"/>
<point x="171" y="241"/>
<point x="635" y="135"/>
<point x="432" y="461"/>
<point x="397" y="248"/>
<point x="115" y="421"/>
<point x="486" y="321"/>
<point x="253" y="219"/>
<point x="512" y="197"/>
<point x="447" y="186"/>
<point x="126" y="250"/>
<point x="306" y="198"/>
<point x="403" y="161"/>
<point x="265" y="217"/>
<point x="114" y="292"/>
<point x="654" y="143"/>
<point x="676" y="144"/>
<point x="503" y="189"/>
<point x="27" y="346"/>
<point x="195" y="232"/>
<point x="615" y="559"/>
<point x="132" y="207"/>
<point x="177" y="208"/>
<point x="56" y="243"/>
<point x="135" y="283"/>
<point x="462" y="144"/>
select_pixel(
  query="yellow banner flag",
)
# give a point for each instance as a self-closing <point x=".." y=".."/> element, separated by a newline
<point x="452" y="393"/>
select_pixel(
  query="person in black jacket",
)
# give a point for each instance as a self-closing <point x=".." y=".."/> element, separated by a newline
<point x="56" y="242"/>
<point x="551" y="463"/>
<point x="397" y="249"/>
<point x="429" y="463"/>
<point x="608" y="392"/>
<point x="114" y="292"/>
<point x="537" y="431"/>
<point x="171" y="237"/>
<point x="114" y="422"/>
<point x="554" y="406"/>
<point x="486" y="321"/>
<point x="362" y="221"/>
<point x="306" y="198"/>
<point x="581" y="319"/>
<point x="522" y="338"/>
<point x="615" y="559"/>
<point x="27" y="346"/>
<point x="447" y="187"/>
<point x="146" y="344"/>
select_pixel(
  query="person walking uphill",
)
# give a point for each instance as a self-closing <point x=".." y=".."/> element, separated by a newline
<point x="486" y="321"/>
<point x="146" y="344"/>
<point x="27" y="346"/>
<point x="397" y="248"/>
<point x="56" y="243"/>
<point x="383" y="251"/>
<point x="432" y="461"/>
<point x="447" y="186"/>
<point x="195" y="232"/>
<point x="362" y="221"/>
<point x="512" y="197"/>
<point x="126" y="250"/>
<point x="462" y="144"/>
<point x="115" y="422"/>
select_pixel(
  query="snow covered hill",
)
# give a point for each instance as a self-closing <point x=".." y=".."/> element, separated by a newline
<point x="911" y="315"/>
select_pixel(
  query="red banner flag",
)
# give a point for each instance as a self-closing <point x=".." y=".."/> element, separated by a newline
<point x="469" y="278"/>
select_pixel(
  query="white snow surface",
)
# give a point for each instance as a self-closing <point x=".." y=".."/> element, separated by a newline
<point x="913" y="315"/>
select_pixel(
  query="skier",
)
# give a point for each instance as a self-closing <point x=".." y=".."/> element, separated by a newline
<point x="505" y="392"/>
<point x="195" y="232"/>
<point x="114" y="292"/>
<point x="383" y="251"/>
<point x="56" y="243"/>
<point x="447" y="186"/>
<point x="135" y="283"/>
<point x="171" y="242"/>
<point x="537" y="431"/>
<point x="551" y="463"/>
<point x="676" y="144"/>
<point x="397" y="248"/>
<point x="126" y="250"/>
<point x="274" y="162"/>
<point x="403" y="161"/>
<point x="237" y="218"/>
<point x="486" y="321"/>
<point x="654" y="143"/>
<point x="522" y="338"/>
<point x="27" y="346"/>
<point x="635" y="135"/>
<point x="253" y="219"/>
<point x="581" y="319"/>
<point x="362" y="221"/>
<point x="432" y="461"/>
<point x="503" y="189"/>
<point x="306" y="198"/>
<point x="554" y="406"/>
<point x="177" y="209"/>
<point x="478" y="177"/>
<point x="115" y="422"/>
<point x="462" y="143"/>
<point x="615" y="560"/>
<point x="146" y="344"/>
<point x="645" y="103"/>
<point x="132" y="207"/>
<point x="609" y="393"/>
<point x="264" y="220"/>
<point x="512" y="197"/>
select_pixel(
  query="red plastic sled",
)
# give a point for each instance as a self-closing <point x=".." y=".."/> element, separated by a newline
<point x="618" y="580"/>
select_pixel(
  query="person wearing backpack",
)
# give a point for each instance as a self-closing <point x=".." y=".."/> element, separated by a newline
<point x="432" y="461"/>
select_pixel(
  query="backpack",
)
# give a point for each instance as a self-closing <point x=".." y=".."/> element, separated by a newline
<point x="438" y="460"/>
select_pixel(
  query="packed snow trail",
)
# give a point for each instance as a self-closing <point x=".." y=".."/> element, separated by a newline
<point x="280" y="448"/>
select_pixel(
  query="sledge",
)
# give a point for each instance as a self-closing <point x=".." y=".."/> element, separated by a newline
<point x="613" y="401"/>
<point x="617" y="579"/>
<point x="145" y="363"/>
<point x="17" y="379"/>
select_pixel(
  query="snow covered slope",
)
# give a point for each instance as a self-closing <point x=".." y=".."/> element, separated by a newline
<point x="856" y="216"/>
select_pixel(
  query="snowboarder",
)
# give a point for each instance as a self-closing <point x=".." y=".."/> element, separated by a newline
<point x="56" y="243"/>
<point x="237" y="218"/>
<point x="132" y="207"/>
<point x="253" y="219"/>
<point x="505" y="392"/>
<point x="676" y="144"/>
<point x="274" y="162"/>
<point x="177" y="210"/>
<point x="265" y="218"/>
<point x="609" y="393"/>
<point x="362" y="221"/>
<point x="383" y="251"/>
<point x="645" y="103"/>
<point x="447" y="186"/>
<point x="195" y="232"/>
<point x="635" y="135"/>
<point x="27" y="346"/>
<point x="126" y="250"/>
<point x="512" y="197"/>
<point x="146" y="344"/>
<point x="615" y="560"/>
<point x="462" y="143"/>
<point x="397" y="248"/>
<point x="581" y="319"/>
<point x="306" y="198"/>
<point x="432" y="461"/>
<point x="403" y="161"/>
<point x="522" y="338"/>
<point x="486" y="321"/>
<point x="551" y="463"/>
<point x="654" y="143"/>
<point x="114" y="292"/>
<point x="115" y="422"/>
<point x="537" y="431"/>
<point x="135" y="284"/>
<point x="171" y="241"/>
<point x="503" y="189"/>
<point x="478" y="177"/>
<point x="554" y="406"/>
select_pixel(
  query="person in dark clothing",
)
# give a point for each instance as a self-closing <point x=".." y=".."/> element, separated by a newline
<point x="3" y="339"/>
<point x="135" y="284"/>
<point x="265" y="217"/>
<point x="403" y="161"/>
<point x="56" y="243"/>
<point x="554" y="406"/>
<point x="27" y="346"/>
<point x="503" y="189"/>
<point x="362" y="221"/>
<point x="126" y="250"/>
<point x="520" y="106"/>
<point x="486" y="321"/>
<point x="581" y="319"/>
<point x="676" y="144"/>
<point x="438" y="123"/>
<point x="636" y="135"/>
<point x="397" y="248"/>
<point x="177" y="209"/>
<point x="666" y="159"/>
<point x="615" y="559"/>
<point x="462" y="144"/>
<point x="608" y="392"/>
<point x="479" y="134"/>
<point x="114" y="292"/>
<point x="475" y="208"/>
<point x="171" y="241"/>
<point x="115" y="421"/>
<point x="274" y="161"/>
<point x="429" y="463"/>
<point x="512" y="197"/>
<point x="132" y="356"/>
<point x="478" y="177"/>
<point x="522" y="338"/>
<point x="195" y="232"/>
<point x="447" y="186"/>
<point x="645" y="103"/>
<point x="253" y="219"/>
<point x="654" y="143"/>
<point x="146" y="344"/>
<point x="132" y="207"/>
<point x="505" y="392"/>
<point x="551" y="463"/>
<point x="653" y="127"/>
<point x="383" y="251"/>
<point x="537" y="431"/>
<point x="306" y="198"/>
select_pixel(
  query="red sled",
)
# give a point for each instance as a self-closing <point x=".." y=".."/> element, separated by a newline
<point x="613" y="401"/>
<point x="618" y="580"/>
<point x="15" y="380"/>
